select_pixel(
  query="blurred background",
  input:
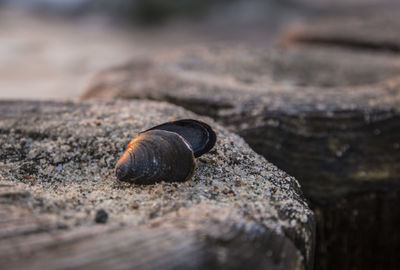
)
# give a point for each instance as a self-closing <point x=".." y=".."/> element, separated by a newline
<point x="49" y="48"/>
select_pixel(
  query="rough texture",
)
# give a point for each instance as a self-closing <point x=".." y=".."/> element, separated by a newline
<point x="56" y="175"/>
<point x="328" y="116"/>
<point x="275" y="104"/>
<point x="367" y="29"/>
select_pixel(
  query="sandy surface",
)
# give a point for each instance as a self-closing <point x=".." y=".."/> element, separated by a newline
<point x="68" y="171"/>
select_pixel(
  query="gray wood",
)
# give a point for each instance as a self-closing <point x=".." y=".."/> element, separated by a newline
<point x="57" y="171"/>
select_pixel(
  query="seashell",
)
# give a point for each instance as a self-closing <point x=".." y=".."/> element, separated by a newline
<point x="165" y="152"/>
<point x="200" y="136"/>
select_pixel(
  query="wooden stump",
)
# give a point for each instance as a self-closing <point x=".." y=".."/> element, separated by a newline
<point x="328" y="116"/>
<point x="62" y="207"/>
<point x="372" y="208"/>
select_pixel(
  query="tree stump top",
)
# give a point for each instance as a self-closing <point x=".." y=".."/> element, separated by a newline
<point x="56" y="165"/>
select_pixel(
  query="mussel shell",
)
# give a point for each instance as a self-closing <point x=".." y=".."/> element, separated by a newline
<point x="200" y="136"/>
<point x="154" y="156"/>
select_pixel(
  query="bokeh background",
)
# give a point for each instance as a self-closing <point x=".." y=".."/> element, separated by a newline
<point x="50" y="49"/>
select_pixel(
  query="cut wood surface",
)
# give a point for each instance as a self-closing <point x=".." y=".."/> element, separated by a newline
<point x="56" y="173"/>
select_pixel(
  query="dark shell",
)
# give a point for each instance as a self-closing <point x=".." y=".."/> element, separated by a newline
<point x="156" y="155"/>
<point x="199" y="135"/>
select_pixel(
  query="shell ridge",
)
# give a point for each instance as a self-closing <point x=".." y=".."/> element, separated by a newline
<point x="198" y="134"/>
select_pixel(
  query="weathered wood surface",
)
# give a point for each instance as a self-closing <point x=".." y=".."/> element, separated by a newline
<point x="56" y="172"/>
<point x="373" y="208"/>
<point x="328" y="116"/>
<point x="34" y="242"/>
